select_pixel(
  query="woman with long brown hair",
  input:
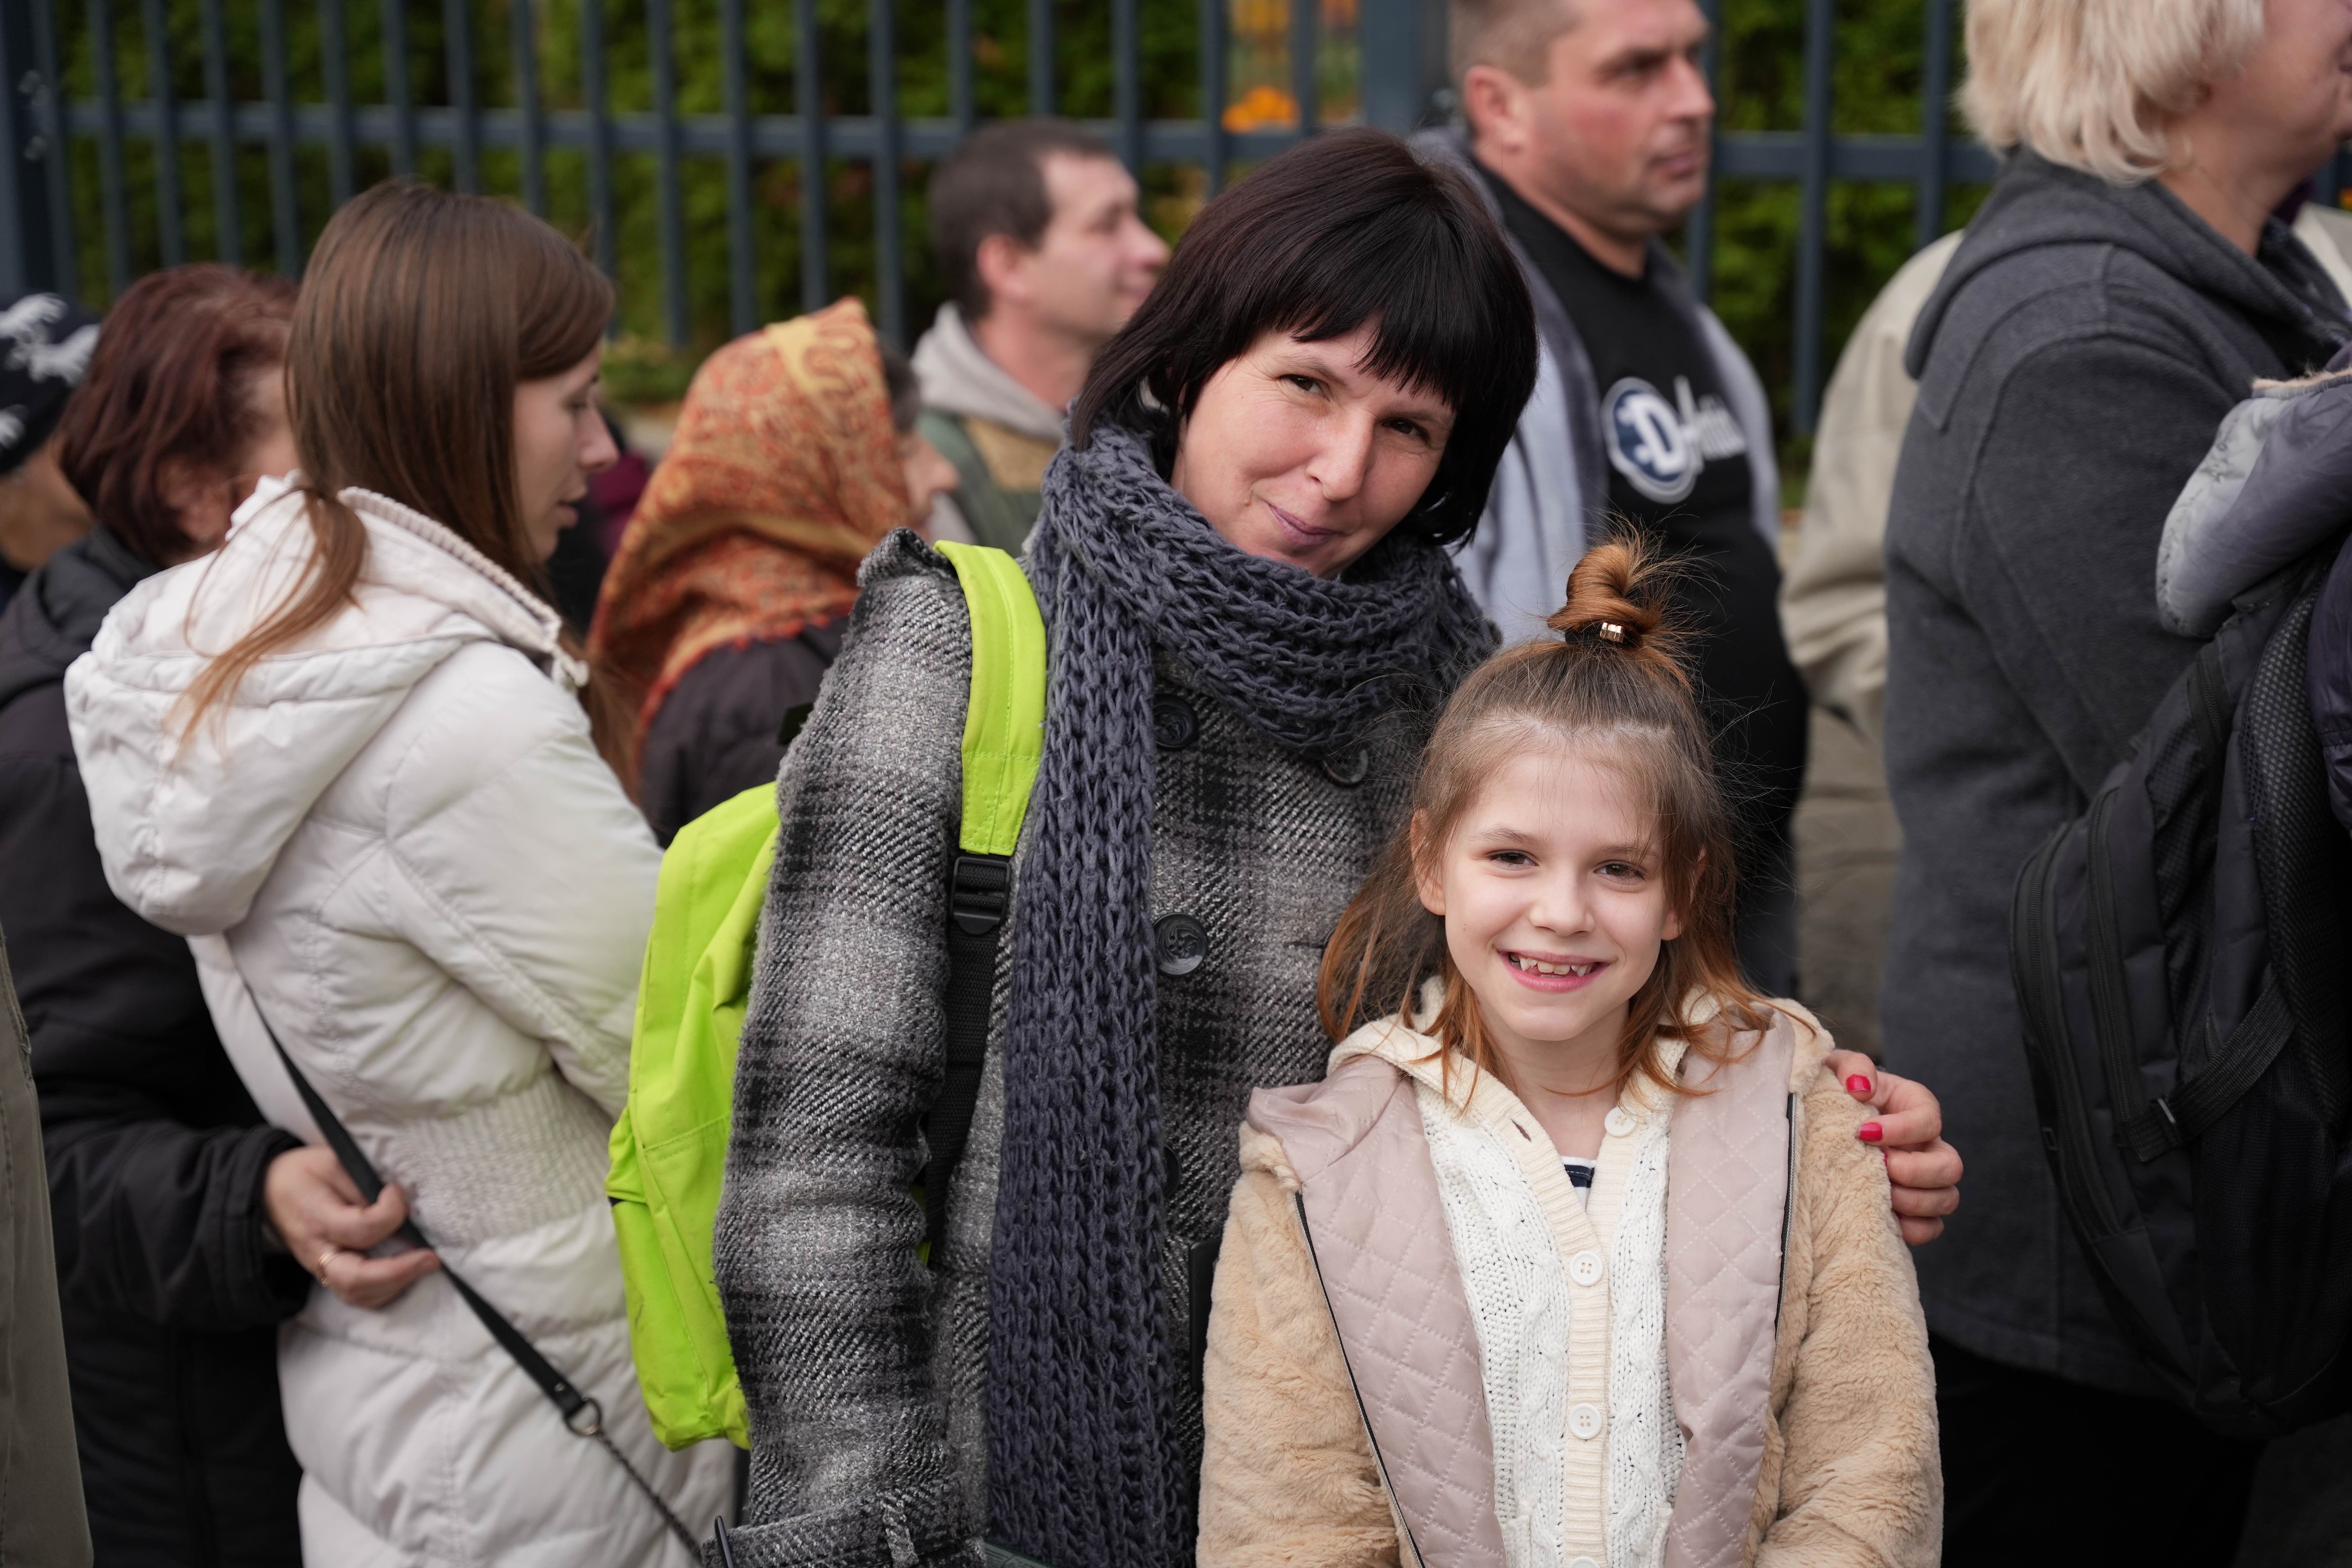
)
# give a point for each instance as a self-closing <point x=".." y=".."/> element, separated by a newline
<point x="347" y="755"/>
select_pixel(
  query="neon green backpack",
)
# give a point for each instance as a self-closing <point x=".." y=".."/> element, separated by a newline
<point x="669" y="1147"/>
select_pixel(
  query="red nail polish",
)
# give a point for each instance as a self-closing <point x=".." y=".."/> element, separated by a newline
<point x="1869" y="1132"/>
<point x="1857" y="1084"/>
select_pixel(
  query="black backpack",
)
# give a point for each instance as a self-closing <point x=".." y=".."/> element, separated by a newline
<point x="2182" y="954"/>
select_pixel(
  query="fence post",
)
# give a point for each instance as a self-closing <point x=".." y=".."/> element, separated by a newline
<point x="27" y="163"/>
<point x="1403" y="60"/>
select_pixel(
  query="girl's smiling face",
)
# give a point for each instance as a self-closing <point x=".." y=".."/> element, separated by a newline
<point x="1554" y="905"/>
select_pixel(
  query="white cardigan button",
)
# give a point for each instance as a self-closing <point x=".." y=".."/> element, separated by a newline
<point x="1619" y="1121"/>
<point x="1583" y="1562"/>
<point x="1585" y="1267"/>
<point x="1584" y="1421"/>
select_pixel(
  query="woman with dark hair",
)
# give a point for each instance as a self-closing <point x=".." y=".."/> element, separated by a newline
<point x="347" y="755"/>
<point x="171" y="1196"/>
<point x="1248" y="604"/>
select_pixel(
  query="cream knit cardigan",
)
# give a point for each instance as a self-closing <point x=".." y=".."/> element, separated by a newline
<point x="1569" y="1298"/>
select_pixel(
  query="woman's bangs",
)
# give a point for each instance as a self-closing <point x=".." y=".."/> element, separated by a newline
<point x="1431" y="331"/>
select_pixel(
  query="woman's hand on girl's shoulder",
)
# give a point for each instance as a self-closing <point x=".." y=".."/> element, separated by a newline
<point x="1924" y="1170"/>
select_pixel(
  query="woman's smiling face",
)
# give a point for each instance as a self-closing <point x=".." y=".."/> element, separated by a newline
<point x="1295" y="452"/>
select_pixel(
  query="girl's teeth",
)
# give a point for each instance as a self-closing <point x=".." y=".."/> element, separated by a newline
<point x="1579" y="970"/>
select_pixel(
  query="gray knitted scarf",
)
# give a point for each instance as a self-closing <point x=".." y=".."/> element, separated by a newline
<point x="1082" y="1472"/>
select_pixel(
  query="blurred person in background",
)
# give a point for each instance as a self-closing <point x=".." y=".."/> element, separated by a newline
<point x="175" y="1203"/>
<point x="1833" y="602"/>
<point x="47" y="1526"/>
<point x="45" y="343"/>
<point x="2122" y="288"/>
<point x="348" y="756"/>
<point x="796" y="453"/>
<point x="1038" y="232"/>
<point x="1590" y="127"/>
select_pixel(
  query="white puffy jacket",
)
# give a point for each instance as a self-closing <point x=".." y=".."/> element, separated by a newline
<point x="399" y="842"/>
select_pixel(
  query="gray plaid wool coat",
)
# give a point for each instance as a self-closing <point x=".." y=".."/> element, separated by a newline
<point x="866" y="1374"/>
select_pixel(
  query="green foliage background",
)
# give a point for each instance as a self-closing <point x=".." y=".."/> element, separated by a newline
<point x="1877" y="77"/>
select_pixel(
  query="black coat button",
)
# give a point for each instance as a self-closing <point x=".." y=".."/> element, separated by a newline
<point x="1348" y="769"/>
<point x="1174" y="725"/>
<point x="1179" y="944"/>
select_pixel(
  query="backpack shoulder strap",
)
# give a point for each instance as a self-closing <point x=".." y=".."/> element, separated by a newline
<point x="997" y="516"/>
<point x="1004" y="735"/>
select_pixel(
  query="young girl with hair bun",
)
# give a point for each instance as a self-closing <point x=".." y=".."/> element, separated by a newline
<point x="1573" y="1259"/>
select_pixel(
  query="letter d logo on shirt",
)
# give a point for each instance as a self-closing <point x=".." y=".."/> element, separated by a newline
<point x="1647" y="442"/>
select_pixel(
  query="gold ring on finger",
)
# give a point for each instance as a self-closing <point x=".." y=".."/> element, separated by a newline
<point x="323" y="1259"/>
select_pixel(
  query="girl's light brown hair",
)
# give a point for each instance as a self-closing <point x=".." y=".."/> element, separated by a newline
<point x="1612" y="686"/>
<point x="420" y="313"/>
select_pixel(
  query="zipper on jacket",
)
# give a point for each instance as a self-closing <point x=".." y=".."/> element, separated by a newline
<point x="2210" y="702"/>
<point x="1380" y="1461"/>
<point x="2039" y="992"/>
<point x="2146" y="1136"/>
<point x="1787" y="1216"/>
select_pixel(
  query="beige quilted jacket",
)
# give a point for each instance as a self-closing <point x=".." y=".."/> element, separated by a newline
<point x="1347" y="1421"/>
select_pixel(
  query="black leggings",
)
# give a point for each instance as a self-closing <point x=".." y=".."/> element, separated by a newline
<point x="2039" y="1470"/>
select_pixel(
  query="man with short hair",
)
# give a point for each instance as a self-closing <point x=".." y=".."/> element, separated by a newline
<point x="1589" y="127"/>
<point x="1046" y="253"/>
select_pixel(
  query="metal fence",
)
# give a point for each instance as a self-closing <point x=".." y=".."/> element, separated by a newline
<point x="1400" y="46"/>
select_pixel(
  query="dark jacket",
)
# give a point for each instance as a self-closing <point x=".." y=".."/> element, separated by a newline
<point x="42" y="1522"/>
<point x="2276" y="487"/>
<point x="2072" y="366"/>
<point x="171" y="1292"/>
<point x="720" y="731"/>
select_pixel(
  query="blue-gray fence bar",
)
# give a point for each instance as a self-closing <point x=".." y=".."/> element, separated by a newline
<point x="524" y="33"/>
<point x="335" y="73"/>
<point x="1935" y="122"/>
<point x="24" y="161"/>
<point x="742" y="280"/>
<point x="457" y="53"/>
<point x="1127" y="82"/>
<point x="669" y="196"/>
<point x="170" y="239"/>
<point x="889" y="264"/>
<point x="599" y="118"/>
<point x="1213" y="97"/>
<point x="50" y="118"/>
<point x="112" y="181"/>
<point x="1305" y="86"/>
<point x="1040" y="57"/>
<point x="396" y="87"/>
<point x="808" y="95"/>
<point x="1398" y="48"/>
<point x="1813" y="211"/>
<point x="226" y="220"/>
<point x="1699" y="229"/>
<point x="962" y="108"/>
<point x="285" y="226"/>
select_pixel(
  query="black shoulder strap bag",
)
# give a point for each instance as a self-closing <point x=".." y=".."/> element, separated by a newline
<point x="582" y="1416"/>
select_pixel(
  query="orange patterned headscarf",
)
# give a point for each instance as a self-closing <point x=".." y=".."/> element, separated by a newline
<point x="782" y="474"/>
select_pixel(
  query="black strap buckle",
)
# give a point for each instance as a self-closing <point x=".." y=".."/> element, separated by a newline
<point x="977" y="894"/>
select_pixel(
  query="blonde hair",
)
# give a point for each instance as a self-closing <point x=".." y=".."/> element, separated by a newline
<point x="1512" y="36"/>
<point x="1615" y="677"/>
<point x="2095" y="84"/>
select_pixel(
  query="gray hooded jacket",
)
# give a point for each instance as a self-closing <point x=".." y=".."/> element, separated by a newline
<point x="2072" y="366"/>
